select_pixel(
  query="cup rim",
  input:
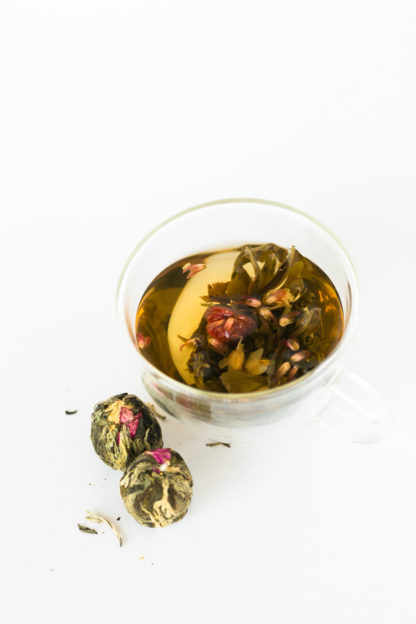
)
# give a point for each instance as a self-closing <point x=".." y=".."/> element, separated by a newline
<point x="287" y="388"/>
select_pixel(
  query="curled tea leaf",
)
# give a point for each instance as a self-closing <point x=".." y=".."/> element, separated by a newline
<point x="86" y="529"/>
<point x="308" y="321"/>
<point x="103" y="520"/>
<point x="265" y="261"/>
<point x="227" y="444"/>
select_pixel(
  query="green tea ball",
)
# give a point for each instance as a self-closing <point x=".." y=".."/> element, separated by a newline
<point x="122" y="427"/>
<point x="157" y="488"/>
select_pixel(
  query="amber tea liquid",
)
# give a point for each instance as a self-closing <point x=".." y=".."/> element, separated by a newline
<point x="239" y="320"/>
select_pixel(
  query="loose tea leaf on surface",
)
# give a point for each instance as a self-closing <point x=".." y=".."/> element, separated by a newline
<point x="93" y="517"/>
<point x="227" y="444"/>
<point x="70" y="412"/>
<point x="86" y="529"/>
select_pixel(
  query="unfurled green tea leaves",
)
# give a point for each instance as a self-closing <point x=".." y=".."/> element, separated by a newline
<point x="254" y="318"/>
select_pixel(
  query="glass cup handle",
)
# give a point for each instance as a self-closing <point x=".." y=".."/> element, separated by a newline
<point x="354" y="410"/>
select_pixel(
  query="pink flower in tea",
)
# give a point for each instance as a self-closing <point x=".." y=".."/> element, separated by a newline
<point x="191" y="269"/>
<point x="300" y="355"/>
<point x="162" y="455"/>
<point x="130" y="420"/>
<point x="143" y="341"/>
<point x="227" y="325"/>
<point x="292" y="343"/>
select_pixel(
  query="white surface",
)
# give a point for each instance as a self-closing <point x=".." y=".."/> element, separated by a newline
<point x="113" y="116"/>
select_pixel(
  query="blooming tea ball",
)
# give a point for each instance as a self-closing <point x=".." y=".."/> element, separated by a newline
<point x="122" y="427"/>
<point x="157" y="488"/>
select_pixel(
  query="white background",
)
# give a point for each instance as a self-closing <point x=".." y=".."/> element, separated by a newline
<point x="113" y="116"/>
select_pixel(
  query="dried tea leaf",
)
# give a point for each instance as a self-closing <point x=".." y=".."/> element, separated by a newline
<point x="70" y="412"/>
<point x="86" y="529"/>
<point x="227" y="444"/>
<point x="103" y="520"/>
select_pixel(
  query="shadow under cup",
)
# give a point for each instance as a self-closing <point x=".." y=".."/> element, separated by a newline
<point x="226" y="224"/>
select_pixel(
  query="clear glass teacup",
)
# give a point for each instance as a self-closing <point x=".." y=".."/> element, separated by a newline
<point x="335" y="397"/>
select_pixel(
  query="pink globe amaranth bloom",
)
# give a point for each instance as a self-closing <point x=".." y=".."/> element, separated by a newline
<point x="161" y="455"/>
<point x="131" y="420"/>
<point x="228" y="325"/>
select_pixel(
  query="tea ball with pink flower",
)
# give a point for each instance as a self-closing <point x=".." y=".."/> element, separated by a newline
<point x="122" y="427"/>
<point x="157" y="487"/>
